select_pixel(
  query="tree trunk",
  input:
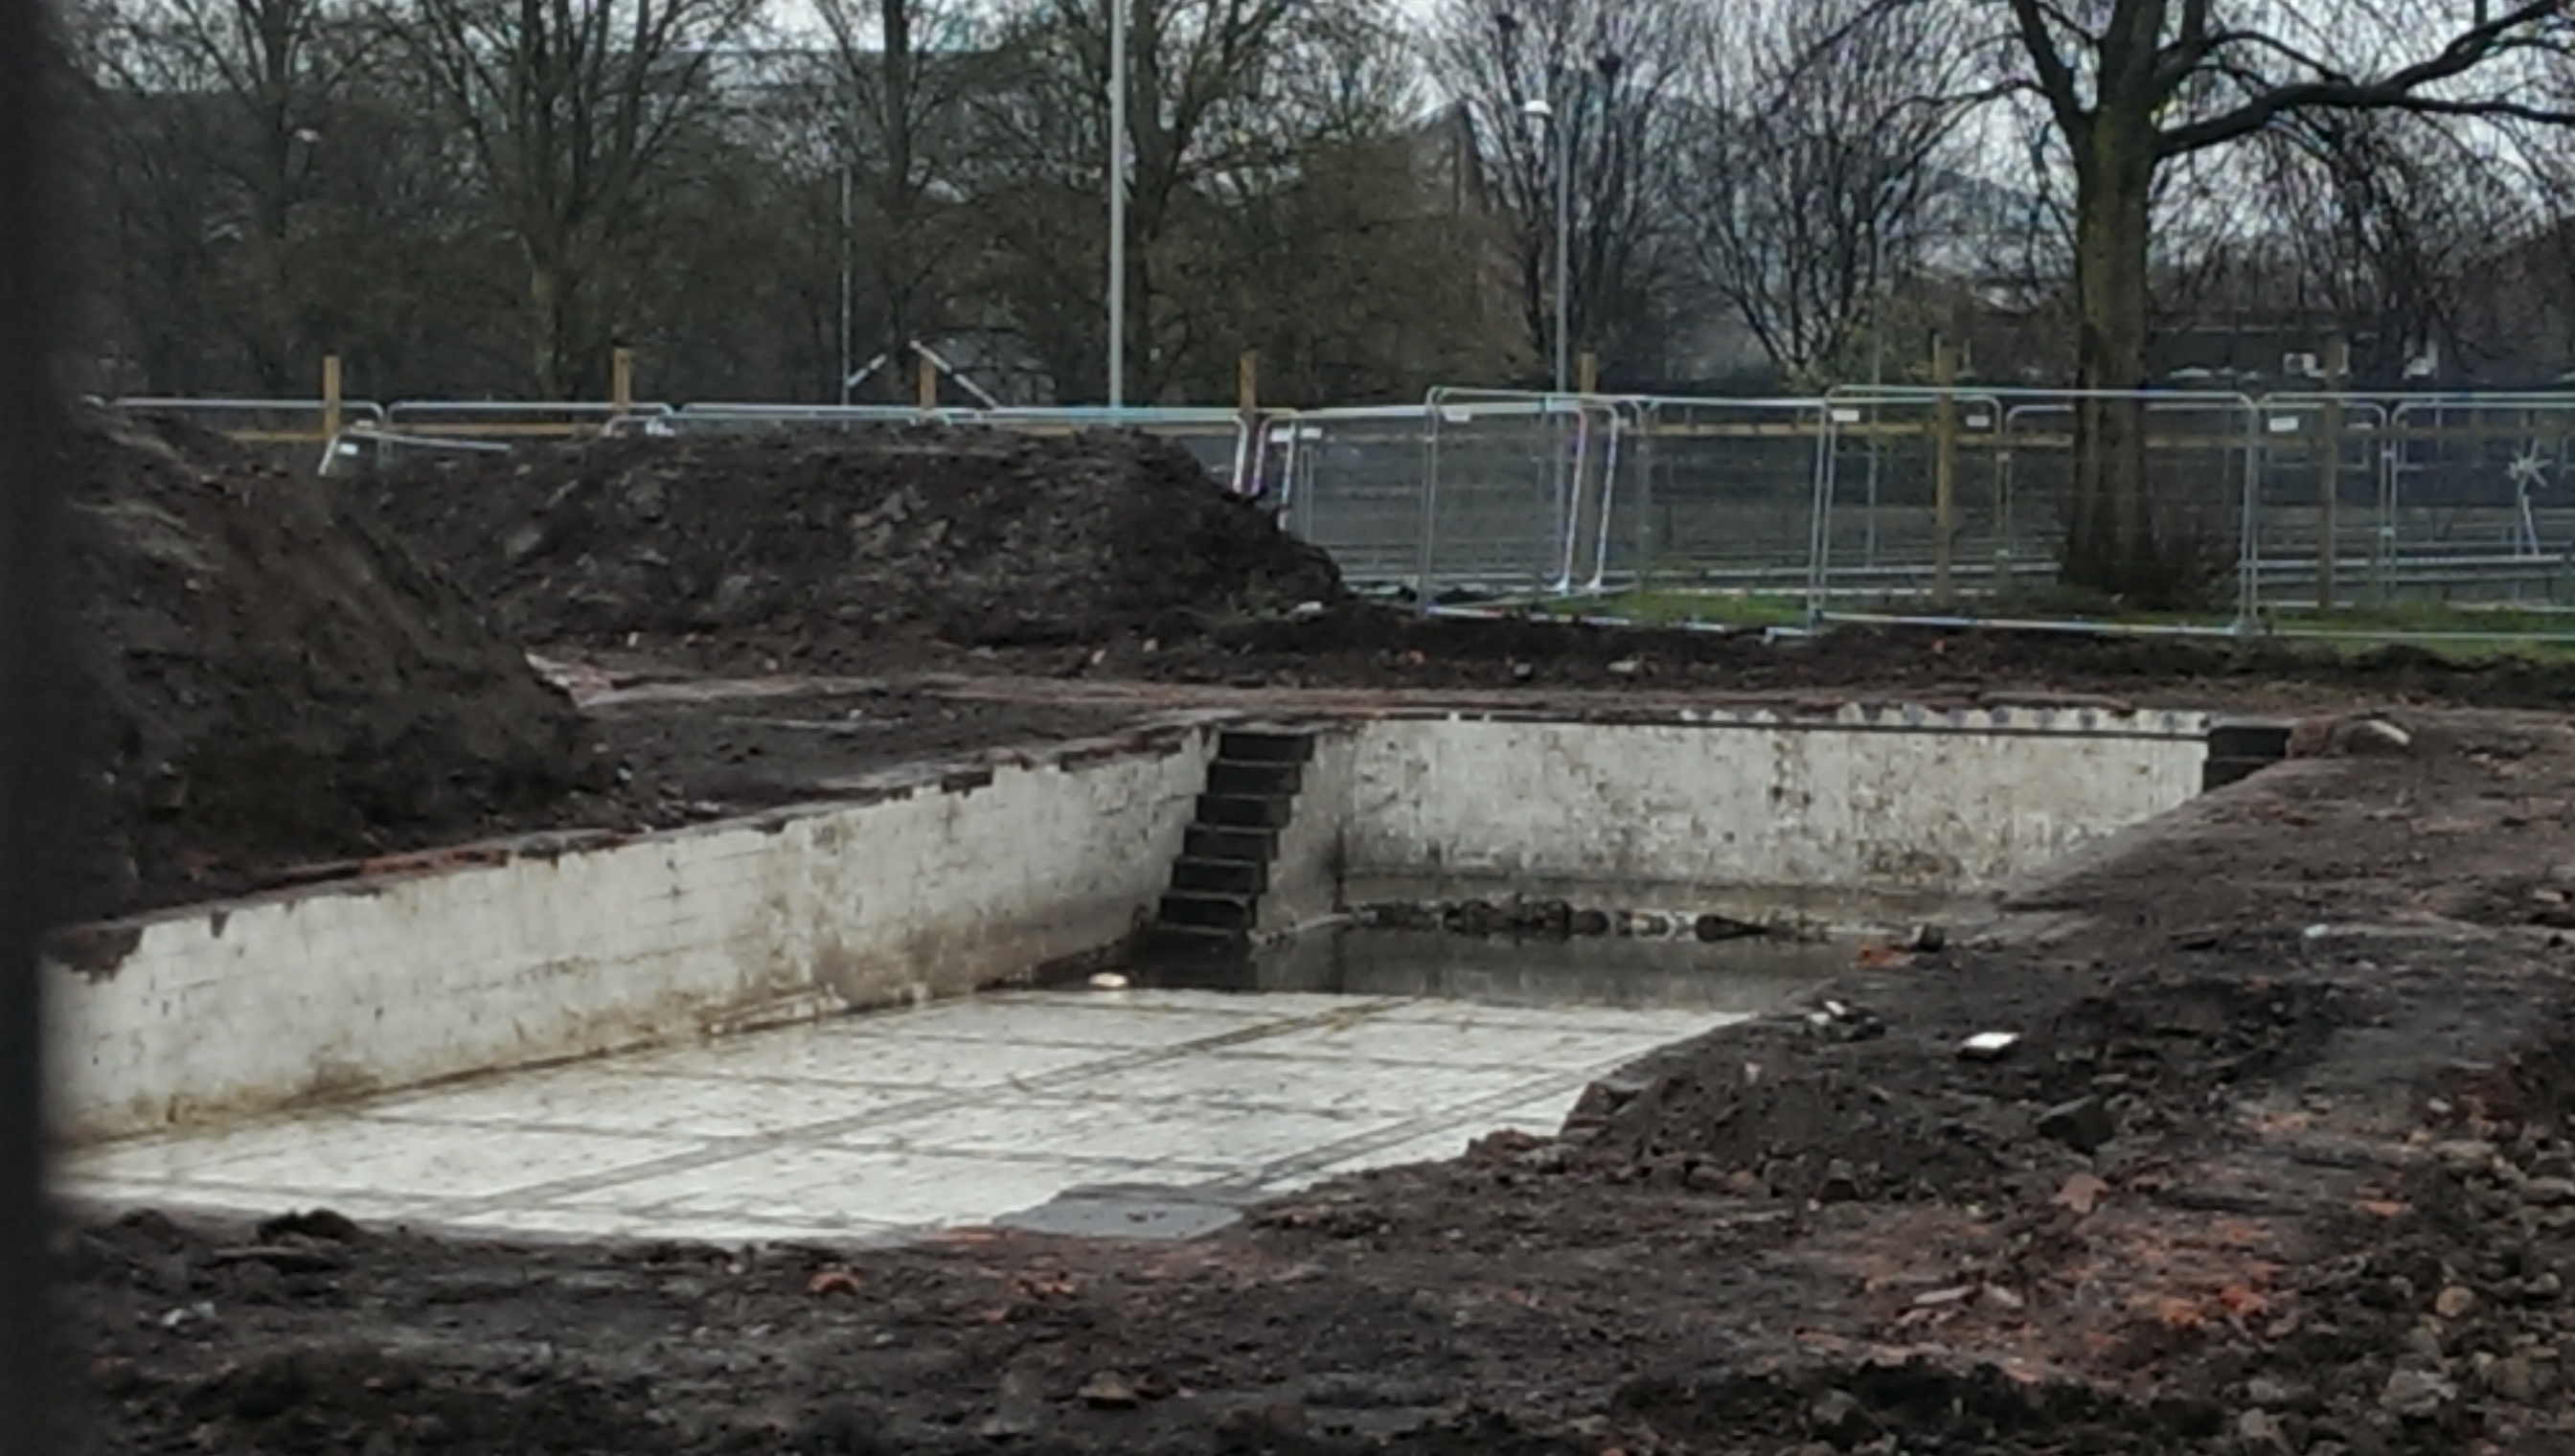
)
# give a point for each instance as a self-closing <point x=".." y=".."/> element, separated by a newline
<point x="547" y="309"/>
<point x="2111" y="542"/>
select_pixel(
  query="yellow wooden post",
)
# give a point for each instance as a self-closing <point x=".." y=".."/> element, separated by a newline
<point x="1944" y="470"/>
<point x="924" y="379"/>
<point x="621" y="376"/>
<point x="330" y="397"/>
<point x="1587" y="375"/>
<point x="1246" y="385"/>
<point x="2330" y="477"/>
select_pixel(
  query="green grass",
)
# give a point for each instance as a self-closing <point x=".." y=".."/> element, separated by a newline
<point x="2461" y="634"/>
<point x="1672" y="608"/>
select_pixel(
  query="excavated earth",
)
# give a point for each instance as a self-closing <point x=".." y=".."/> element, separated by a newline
<point x="288" y="678"/>
<point x="262" y="674"/>
<point x="2281" y="1164"/>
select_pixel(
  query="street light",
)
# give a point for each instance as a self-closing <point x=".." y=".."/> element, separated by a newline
<point x="1116" y="204"/>
<point x="1538" y="110"/>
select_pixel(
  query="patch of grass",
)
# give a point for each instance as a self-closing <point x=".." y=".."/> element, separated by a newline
<point x="2450" y="631"/>
<point x="1675" y="607"/>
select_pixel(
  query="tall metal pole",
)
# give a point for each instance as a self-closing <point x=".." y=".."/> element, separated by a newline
<point x="1116" y="204"/>
<point x="845" y="291"/>
<point x="1564" y="244"/>
<point x="1876" y="378"/>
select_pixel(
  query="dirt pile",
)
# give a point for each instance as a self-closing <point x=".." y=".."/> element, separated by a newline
<point x="1367" y="644"/>
<point x="1822" y="1104"/>
<point x="798" y="546"/>
<point x="265" y="677"/>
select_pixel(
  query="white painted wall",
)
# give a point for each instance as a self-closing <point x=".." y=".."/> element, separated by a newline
<point x="933" y="891"/>
<point x="1883" y="803"/>
<point x="1306" y="872"/>
<point x="938" y="885"/>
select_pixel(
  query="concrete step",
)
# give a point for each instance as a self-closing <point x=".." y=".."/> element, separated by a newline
<point x="1263" y="745"/>
<point x="1196" y="945"/>
<point x="2249" y="737"/>
<point x="1219" y="876"/>
<point x="2219" y="773"/>
<point x="1216" y="841"/>
<point x="1245" y="812"/>
<point x="1207" y="908"/>
<point x="1268" y="780"/>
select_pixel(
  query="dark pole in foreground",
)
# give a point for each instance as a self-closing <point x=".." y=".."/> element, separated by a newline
<point x="32" y="808"/>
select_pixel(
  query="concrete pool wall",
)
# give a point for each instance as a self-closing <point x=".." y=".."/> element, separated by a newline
<point x="943" y="882"/>
<point x="1759" y="816"/>
<point x="939" y="881"/>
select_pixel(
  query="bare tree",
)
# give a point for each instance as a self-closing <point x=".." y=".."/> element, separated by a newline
<point x="1818" y="145"/>
<point x="568" y="109"/>
<point x="908" y="79"/>
<point x="1231" y="99"/>
<point x="226" y="117"/>
<point x="2134" y="85"/>
<point x="2384" y="220"/>
<point x="1609" y="76"/>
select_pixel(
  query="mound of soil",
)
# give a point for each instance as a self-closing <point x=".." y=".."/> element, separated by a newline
<point x="785" y="542"/>
<point x="1822" y="1104"/>
<point x="265" y="677"/>
<point x="1361" y="644"/>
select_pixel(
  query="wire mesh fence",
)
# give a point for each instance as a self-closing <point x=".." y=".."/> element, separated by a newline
<point x="2289" y="513"/>
<point x="2320" y="541"/>
<point x="1350" y="482"/>
<point x="1715" y="496"/>
<point x="1515" y="493"/>
<point x="2480" y="500"/>
<point x="1980" y="507"/>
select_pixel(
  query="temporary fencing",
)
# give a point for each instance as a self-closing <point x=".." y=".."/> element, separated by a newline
<point x="1865" y="503"/>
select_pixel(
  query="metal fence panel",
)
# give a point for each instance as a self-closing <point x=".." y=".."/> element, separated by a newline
<point x="1350" y="482"/>
<point x="2312" y="503"/>
<point x="1714" y="495"/>
<point x="1514" y="490"/>
<point x="1975" y="488"/>
<point x="261" y="422"/>
<point x="2480" y="506"/>
<point x="2321" y="539"/>
<point x="508" y="420"/>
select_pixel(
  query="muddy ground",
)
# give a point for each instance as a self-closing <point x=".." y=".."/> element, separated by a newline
<point x="797" y="546"/>
<point x="280" y="677"/>
<point x="2281" y="1165"/>
<point x="262" y="674"/>
<point x="288" y="678"/>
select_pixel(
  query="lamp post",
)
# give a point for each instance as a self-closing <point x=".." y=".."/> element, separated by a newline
<point x="847" y="291"/>
<point x="1116" y="204"/>
<point x="1536" y="109"/>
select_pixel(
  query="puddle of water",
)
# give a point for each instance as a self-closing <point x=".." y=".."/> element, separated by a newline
<point x="1749" y="977"/>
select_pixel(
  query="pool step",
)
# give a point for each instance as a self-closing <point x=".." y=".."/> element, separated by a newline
<point x="1207" y="917"/>
<point x="1195" y="945"/>
<point x="1223" y="911"/>
<point x="1247" y="811"/>
<point x="1219" y="876"/>
<point x="2240" y="747"/>
<point x="1219" y="841"/>
<point x="1252" y="780"/>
